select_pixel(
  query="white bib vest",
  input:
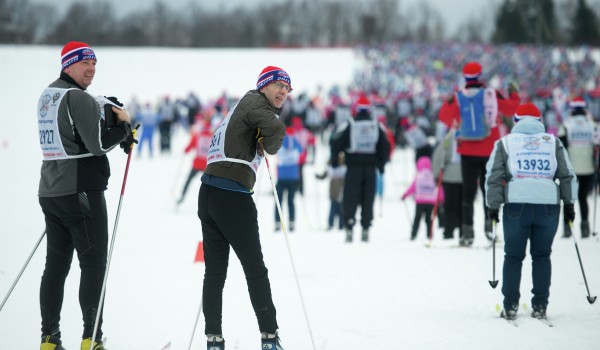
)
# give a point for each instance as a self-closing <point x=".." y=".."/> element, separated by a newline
<point x="580" y="131"/>
<point x="50" y="141"/>
<point x="216" y="151"/>
<point x="531" y="155"/>
<point x="364" y="135"/>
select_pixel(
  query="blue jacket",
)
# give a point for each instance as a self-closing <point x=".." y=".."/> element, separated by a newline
<point x="288" y="167"/>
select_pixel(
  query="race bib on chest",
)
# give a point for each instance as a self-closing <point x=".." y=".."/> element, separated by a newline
<point x="216" y="150"/>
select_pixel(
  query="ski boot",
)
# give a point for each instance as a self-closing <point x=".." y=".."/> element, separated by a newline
<point x="539" y="312"/>
<point x="215" y="342"/>
<point x="466" y="240"/>
<point x="270" y="341"/>
<point x="87" y="342"/>
<point x="51" y="342"/>
<point x="585" y="229"/>
<point x="509" y="313"/>
<point x="488" y="228"/>
<point x="291" y="226"/>
<point x="348" y="235"/>
<point x="566" y="230"/>
<point x="365" y="235"/>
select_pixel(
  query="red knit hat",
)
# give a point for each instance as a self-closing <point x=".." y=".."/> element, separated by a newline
<point x="362" y="103"/>
<point x="577" y="102"/>
<point x="527" y="110"/>
<point x="472" y="70"/>
<point x="76" y="51"/>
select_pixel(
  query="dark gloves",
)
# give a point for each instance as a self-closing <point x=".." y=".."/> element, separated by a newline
<point x="493" y="215"/>
<point x="126" y="144"/>
<point x="114" y="100"/>
<point x="381" y="169"/>
<point x="569" y="212"/>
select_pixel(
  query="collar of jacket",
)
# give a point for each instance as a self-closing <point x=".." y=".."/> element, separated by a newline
<point x="67" y="78"/>
<point x="475" y="84"/>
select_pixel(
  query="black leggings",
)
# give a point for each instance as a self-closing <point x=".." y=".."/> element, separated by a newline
<point x="79" y="223"/>
<point x="585" y="186"/>
<point x="229" y="219"/>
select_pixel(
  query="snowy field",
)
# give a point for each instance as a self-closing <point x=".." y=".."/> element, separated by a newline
<point x="389" y="294"/>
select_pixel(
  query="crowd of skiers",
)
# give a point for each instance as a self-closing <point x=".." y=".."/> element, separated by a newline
<point x="528" y="154"/>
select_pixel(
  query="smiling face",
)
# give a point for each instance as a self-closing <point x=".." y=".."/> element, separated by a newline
<point x="82" y="72"/>
<point x="276" y="93"/>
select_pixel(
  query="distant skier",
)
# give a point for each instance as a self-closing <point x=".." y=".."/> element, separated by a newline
<point x="476" y="111"/>
<point x="366" y="148"/>
<point x="199" y="142"/>
<point x="426" y="194"/>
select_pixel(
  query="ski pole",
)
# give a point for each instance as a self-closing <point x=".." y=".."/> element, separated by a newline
<point x="590" y="298"/>
<point x="177" y="173"/>
<point x="22" y="269"/>
<point x="436" y="205"/>
<point x="112" y="242"/>
<point x="494" y="281"/>
<point x="595" y="185"/>
<point x="195" y="324"/>
<point x="287" y="242"/>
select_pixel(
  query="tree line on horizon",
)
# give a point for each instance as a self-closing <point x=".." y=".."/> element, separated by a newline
<point x="296" y="23"/>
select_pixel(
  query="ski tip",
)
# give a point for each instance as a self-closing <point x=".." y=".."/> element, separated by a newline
<point x="493" y="283"/>
<point x="167" y="346"/>
<point x="591" y="299"/>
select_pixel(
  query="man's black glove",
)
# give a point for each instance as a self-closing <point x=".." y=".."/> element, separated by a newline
<point x="569" y="212"/>
<point x="493" y="215"/>
<point x="129" y="140"/>
<point x="114" y="100"/>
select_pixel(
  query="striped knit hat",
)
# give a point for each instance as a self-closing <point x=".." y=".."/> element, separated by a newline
<point x="472" y="71"/>
<point x="272" y="74"/>
<point x="74" y="52"/>
<point x="527" y="110"/>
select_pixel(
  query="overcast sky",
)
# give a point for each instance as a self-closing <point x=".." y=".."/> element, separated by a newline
<point x="455" y="12"/>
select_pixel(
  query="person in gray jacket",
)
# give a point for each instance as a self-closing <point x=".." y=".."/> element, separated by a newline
<point x="227" y="211"/>
<point x="74" y="136"/>
<point x="446" y="159"/>
<point x="521" y="175"/>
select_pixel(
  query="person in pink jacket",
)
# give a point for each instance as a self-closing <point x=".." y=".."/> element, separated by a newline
<point x="425" y="191"/>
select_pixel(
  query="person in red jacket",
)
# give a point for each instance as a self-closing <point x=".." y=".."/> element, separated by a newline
<point x="200" y="141"/>
<point x="475" y="112"/>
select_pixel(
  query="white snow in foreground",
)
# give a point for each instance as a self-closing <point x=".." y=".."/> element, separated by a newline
<point x="390" y="293"/>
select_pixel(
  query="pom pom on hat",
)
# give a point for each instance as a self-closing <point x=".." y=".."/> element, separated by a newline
<point x="527" y="110"/>
<point x="472" y="70"/>
<point x="271" y="74"/>
<point x="74" y="52"/>
<point x="577" y="102"/>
